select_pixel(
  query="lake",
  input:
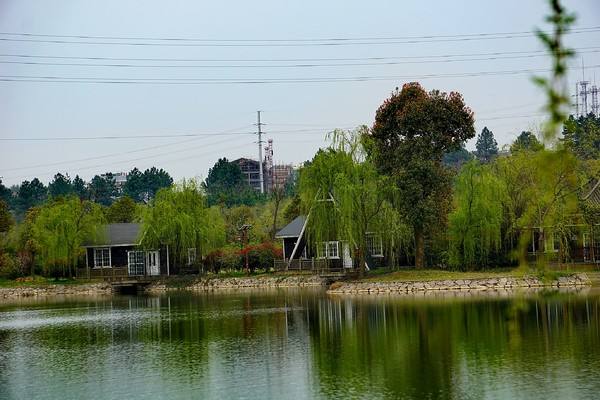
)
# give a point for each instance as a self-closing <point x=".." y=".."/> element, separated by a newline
<point x="297" y="344"/>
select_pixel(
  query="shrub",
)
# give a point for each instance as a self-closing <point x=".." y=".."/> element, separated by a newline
<point x="260" y="256"/>
<point x="9" y="267"/>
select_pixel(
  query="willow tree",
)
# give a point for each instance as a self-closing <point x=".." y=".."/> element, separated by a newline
<point x="476" y="220"/>
<point x="344" y="195"/>
<point x="551" y="191"/>
<point x="179" y="217"/>
<point x="60" y="228"/>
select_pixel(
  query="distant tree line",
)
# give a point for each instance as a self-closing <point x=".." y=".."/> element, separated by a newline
<point x="141" y="187"/>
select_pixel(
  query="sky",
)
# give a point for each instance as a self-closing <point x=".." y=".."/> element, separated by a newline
<point x="158" y="70"/>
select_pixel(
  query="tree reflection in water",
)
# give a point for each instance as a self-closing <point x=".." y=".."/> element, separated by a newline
<point x="302" y="343"/>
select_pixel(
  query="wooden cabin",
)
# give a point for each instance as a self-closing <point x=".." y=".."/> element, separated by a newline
<point x="577" y="243"/>
<point x="332" y="254"/>
<point x="117" y="252"/>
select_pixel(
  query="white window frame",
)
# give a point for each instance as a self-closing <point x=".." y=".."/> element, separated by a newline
<point x="550" y="242"/>
<point x="136" y="262"/>
<point x="374" y="242"/>
<point x="105" y="259"/>
<point x="330" y="250"/>
<point x="191" y="253"/>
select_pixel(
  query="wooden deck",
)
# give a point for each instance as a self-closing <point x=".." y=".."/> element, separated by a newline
<point x="313" y="266"/>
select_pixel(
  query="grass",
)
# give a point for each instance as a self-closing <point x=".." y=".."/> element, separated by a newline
<point x="33" y="281"/>
<point x="440" y="275"/>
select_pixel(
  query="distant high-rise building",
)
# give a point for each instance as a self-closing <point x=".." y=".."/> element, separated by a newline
<point x="281" y="174"/>
<point x="251" y="171"/>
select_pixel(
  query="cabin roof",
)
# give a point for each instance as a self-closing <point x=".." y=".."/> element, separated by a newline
<point x="592" y="192"/>
<point x="121" y="234"/>
<point x="293" y="229"/>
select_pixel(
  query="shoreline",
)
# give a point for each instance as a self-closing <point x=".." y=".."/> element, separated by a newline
<point x="475" y="284"/>
<point x="340" y="287"/>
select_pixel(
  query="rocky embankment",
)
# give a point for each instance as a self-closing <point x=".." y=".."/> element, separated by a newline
<point x="458" y="284"/>
<point x="217" y="283"/>
<point x="56" y="290"/>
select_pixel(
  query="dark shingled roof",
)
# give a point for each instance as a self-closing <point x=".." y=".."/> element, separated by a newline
<point x="293" y="229"/>
<point x="117" y="235"/>
<point x="592" y="192"/>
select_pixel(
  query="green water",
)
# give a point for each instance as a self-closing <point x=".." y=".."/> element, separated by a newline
<point x="293" y="344"/>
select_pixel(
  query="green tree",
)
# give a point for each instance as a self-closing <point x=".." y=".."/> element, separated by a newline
<point x="143" y="186"/>
<point x="457" y="158"/>
<point x="79" y="188"/>
<point x="6" y="218"/>
<point x="225" y="185"/>
<point x="344" y="194"/>
<point x="60" y="186"/>
<point x="582" y="136"/>
<point x="124" y="209"/>
<point x="486" y="147"/>
<point x="31" y="194"/>
<point x="413" y="130"/>
<point x="102" y="189"/>
<point x="180" y="218"/>
<point x="60" y="229"/>
<point x="526" y="141"/>
<point x="134" y="187"/>
<point x="551" y="191"/>
<point x="5" y="193"/>
<point x="154" y="180"/>
<point x="476" y="221"/>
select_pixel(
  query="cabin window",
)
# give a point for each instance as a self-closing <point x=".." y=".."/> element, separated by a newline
<point x="374" y="245"/>
<point x="552" y="242"/>
<point x="136" y="262"/>
<point x="329" y="249"/>
<point x="102" y="257"/>
<point x="191" y="256"/>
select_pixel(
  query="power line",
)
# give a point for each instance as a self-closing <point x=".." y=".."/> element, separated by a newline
<point x="289" y="44"/>
<point x="161" y="146"/>
<point x="244" y="42"/>
<point x="377" y="58"/>
<point x="312" y="65"/>
<point x="162" y="136"/>
<point x="153" y="156"/>
<point x="229" y="81"/>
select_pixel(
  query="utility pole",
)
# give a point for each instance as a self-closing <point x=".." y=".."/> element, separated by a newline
<point x="260" y="157"/>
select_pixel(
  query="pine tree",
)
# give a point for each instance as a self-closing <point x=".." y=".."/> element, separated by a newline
<point x="486" y="147"/>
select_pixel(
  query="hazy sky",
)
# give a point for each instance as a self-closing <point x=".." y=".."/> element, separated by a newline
<point x="297" y="114"/>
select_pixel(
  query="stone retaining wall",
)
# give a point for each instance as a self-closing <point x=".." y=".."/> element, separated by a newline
<point x="458" y="284"/>
<point x="216" y="283"/>
<point x="56" y="290"/>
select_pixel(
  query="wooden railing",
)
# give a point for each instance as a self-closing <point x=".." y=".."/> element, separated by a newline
<point x="108" y="273"/>
<point x="315" y="266"/>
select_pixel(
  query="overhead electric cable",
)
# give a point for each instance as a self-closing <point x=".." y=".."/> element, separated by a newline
<point x="229" y="81"/>
<point x="204" y="42"/>
<point x="376" y="58"/>
<point x="161" y="146"/>
<point x="311" y="65"/>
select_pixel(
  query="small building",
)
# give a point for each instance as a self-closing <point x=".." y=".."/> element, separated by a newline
<point x="117" y="252"/>
<point x="576" y="242"/>
<point x="331" y="254"/>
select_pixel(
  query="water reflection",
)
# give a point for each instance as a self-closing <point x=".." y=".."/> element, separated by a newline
<point x="301" y="344"/>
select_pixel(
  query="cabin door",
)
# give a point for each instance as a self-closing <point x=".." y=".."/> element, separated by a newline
<point x="586" y="247"/>
<point x="152" y="263"/>
<point x="347" y="258"/>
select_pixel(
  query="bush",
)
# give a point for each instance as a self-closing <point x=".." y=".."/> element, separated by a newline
<point x="260" y="256"/>
<point x="9" y="267"/>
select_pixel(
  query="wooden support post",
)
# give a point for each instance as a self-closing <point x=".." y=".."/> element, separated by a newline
<point x="299" y="240"/>
<point x="168" y="271"/>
